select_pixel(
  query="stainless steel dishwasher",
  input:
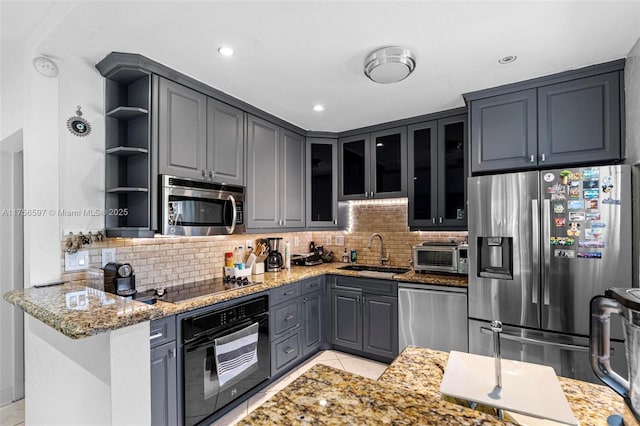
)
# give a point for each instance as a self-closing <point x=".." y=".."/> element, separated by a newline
<point x="432" y="316"/>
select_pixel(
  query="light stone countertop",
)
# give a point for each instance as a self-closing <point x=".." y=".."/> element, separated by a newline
<point x="406" y="393"/>
<point x="78" y="311"/>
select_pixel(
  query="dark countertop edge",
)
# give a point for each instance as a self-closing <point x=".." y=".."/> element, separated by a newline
<point x="163" y="309"/>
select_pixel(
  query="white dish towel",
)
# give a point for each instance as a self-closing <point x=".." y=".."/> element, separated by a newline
<point x="236" y="353"/>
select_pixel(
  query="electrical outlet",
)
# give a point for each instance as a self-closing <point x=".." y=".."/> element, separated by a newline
<point x="247" y="244"/>
<point x="296" y="241"/>
<point x="339" y="240"/>
<point x="77" y="261"/>
<point x="108" y="255"/>
<point x="329" y="240"/>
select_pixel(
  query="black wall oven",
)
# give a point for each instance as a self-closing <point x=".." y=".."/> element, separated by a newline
<point x="225" y="354"/>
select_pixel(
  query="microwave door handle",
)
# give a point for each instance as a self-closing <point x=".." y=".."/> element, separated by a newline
<point x="232" y="228"/>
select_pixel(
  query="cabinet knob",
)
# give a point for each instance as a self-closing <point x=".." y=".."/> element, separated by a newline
<point x="543" y="157"/>
<point x="433" y="220"/>
<point x="335" y="221"/>
<point x="440" y="219"/>
<point x="211" y="174"/>
<point x="532" y="158"/>
<point x="366" y="194"/>
<point x="371" y="194"/>
<point x="204" y="173"/>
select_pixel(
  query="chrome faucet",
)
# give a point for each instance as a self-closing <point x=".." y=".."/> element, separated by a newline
<point x="382" y="258"/>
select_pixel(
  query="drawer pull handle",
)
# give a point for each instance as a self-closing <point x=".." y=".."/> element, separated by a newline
<point x="304" y="300"/>
<point x="289" y="318"/>
<point x="155" y="336"/>
<point x="289" y="293"/>
<point x="288" y="350"/>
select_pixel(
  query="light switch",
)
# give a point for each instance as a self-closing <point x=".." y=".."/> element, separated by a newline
<point x="77" y="261"/>
<point x="108" y="255"/>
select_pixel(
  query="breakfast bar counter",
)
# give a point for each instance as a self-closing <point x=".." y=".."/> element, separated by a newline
<point x="406" y="393"/>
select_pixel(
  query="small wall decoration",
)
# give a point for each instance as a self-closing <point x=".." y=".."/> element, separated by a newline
<point x="78" y="125"/>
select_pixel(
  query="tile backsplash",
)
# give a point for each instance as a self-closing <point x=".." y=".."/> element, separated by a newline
<point x="171" y="261"/>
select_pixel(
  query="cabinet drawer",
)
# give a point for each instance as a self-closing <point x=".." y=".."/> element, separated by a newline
<point x="162" y="331"/>
<point x="285" y="317"/>
<point x="284" y="293"/>
<point x="367" y="285"/>
<point x="285" y="352"/>
<point x="311" y="284"/>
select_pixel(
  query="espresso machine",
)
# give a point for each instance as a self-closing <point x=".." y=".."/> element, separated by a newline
<point x="626" y="303"/>
<point x="274" y="260"/>
<point x="119" y="279"/>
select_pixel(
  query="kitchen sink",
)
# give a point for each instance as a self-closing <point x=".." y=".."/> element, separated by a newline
<point x="385" y="269"/>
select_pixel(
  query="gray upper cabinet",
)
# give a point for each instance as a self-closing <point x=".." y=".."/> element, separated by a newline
<point x="437" y="164"/>
<point x="199" y="137"/>
<point x="275" y="173"/>
<point x="291" y="168"/>
<point x="373" y="165"/>
<point x="225" y="143"/>
<point x="564" y="119"/>
<point x="579" y="121"/>
<point x="504" y="132"/>
<point x="322" y="182"/>
<point x="263" y="189"/>
<point x="182" y="132"/>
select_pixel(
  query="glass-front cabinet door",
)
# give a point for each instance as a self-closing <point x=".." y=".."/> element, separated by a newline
<point x="452" y="171"/>
<point x="322" y="182"/>
<point x="423" y="174"/>
<point x="388" y="159"/>
<point x="354" y="167"/>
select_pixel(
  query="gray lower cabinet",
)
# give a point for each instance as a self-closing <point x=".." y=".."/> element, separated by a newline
<point x="346" y="318"/>
<point x="198" y="136"/>
<point x="380" y="325"/>
<point x="364" y="316"/>
<point x="164" y="370"/>
<point x="275" y="172"/>
<point x="312" y="325"/>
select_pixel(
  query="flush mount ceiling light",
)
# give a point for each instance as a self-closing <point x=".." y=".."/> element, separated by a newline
<point x="225" y="51"/>
<point x="389" y="64"/>
<point x="45" y="66"/>
<point x="318" y="108"/>
<point x="507" y="59"/>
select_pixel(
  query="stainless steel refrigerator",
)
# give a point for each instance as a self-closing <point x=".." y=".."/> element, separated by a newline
<point x="541" y="245"/>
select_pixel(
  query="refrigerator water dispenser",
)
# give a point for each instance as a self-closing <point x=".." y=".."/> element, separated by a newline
<point x="495" y="257"/>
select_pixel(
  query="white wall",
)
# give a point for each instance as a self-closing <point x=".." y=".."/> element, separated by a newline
<point x="632" y="104"/>
<point x="632" y="139"/>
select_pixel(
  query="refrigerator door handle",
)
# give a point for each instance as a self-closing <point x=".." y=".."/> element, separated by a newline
<point x="520" y="339"/>
<point x="546" y="248"/>
<point x="535" y="251"/>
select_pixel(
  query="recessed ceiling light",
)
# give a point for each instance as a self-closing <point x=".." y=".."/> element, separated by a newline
<point x="226" y="51"/>
<point x="318" y="108"/>
<point x="507" y="59"/>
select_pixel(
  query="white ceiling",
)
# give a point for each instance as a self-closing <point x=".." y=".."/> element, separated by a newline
<point x="292" y="55"/>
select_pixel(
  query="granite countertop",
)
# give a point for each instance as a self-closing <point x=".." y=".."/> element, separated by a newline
<point x="78" y="311"/>
<point x="406" y="393"/>
<point x="328" y="396"/>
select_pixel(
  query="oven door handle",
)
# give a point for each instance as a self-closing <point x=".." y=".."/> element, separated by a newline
<point x="234" y="214"/>
<point x="206" y="339"/>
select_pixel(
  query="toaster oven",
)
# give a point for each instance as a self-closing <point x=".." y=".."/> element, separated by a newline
<point x="452" y="258"/>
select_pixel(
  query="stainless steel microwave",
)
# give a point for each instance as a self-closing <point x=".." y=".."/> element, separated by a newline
<point x="441" y="257"/>
<point x="194" y="208"/>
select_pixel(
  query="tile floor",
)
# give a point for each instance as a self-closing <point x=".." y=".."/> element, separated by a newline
<point x="13" y="414"/>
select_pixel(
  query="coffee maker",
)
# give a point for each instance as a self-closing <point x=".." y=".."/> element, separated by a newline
<point x="119" y="279"/>
<point x="626" y="303"/>
<point x="274" y="258"/>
